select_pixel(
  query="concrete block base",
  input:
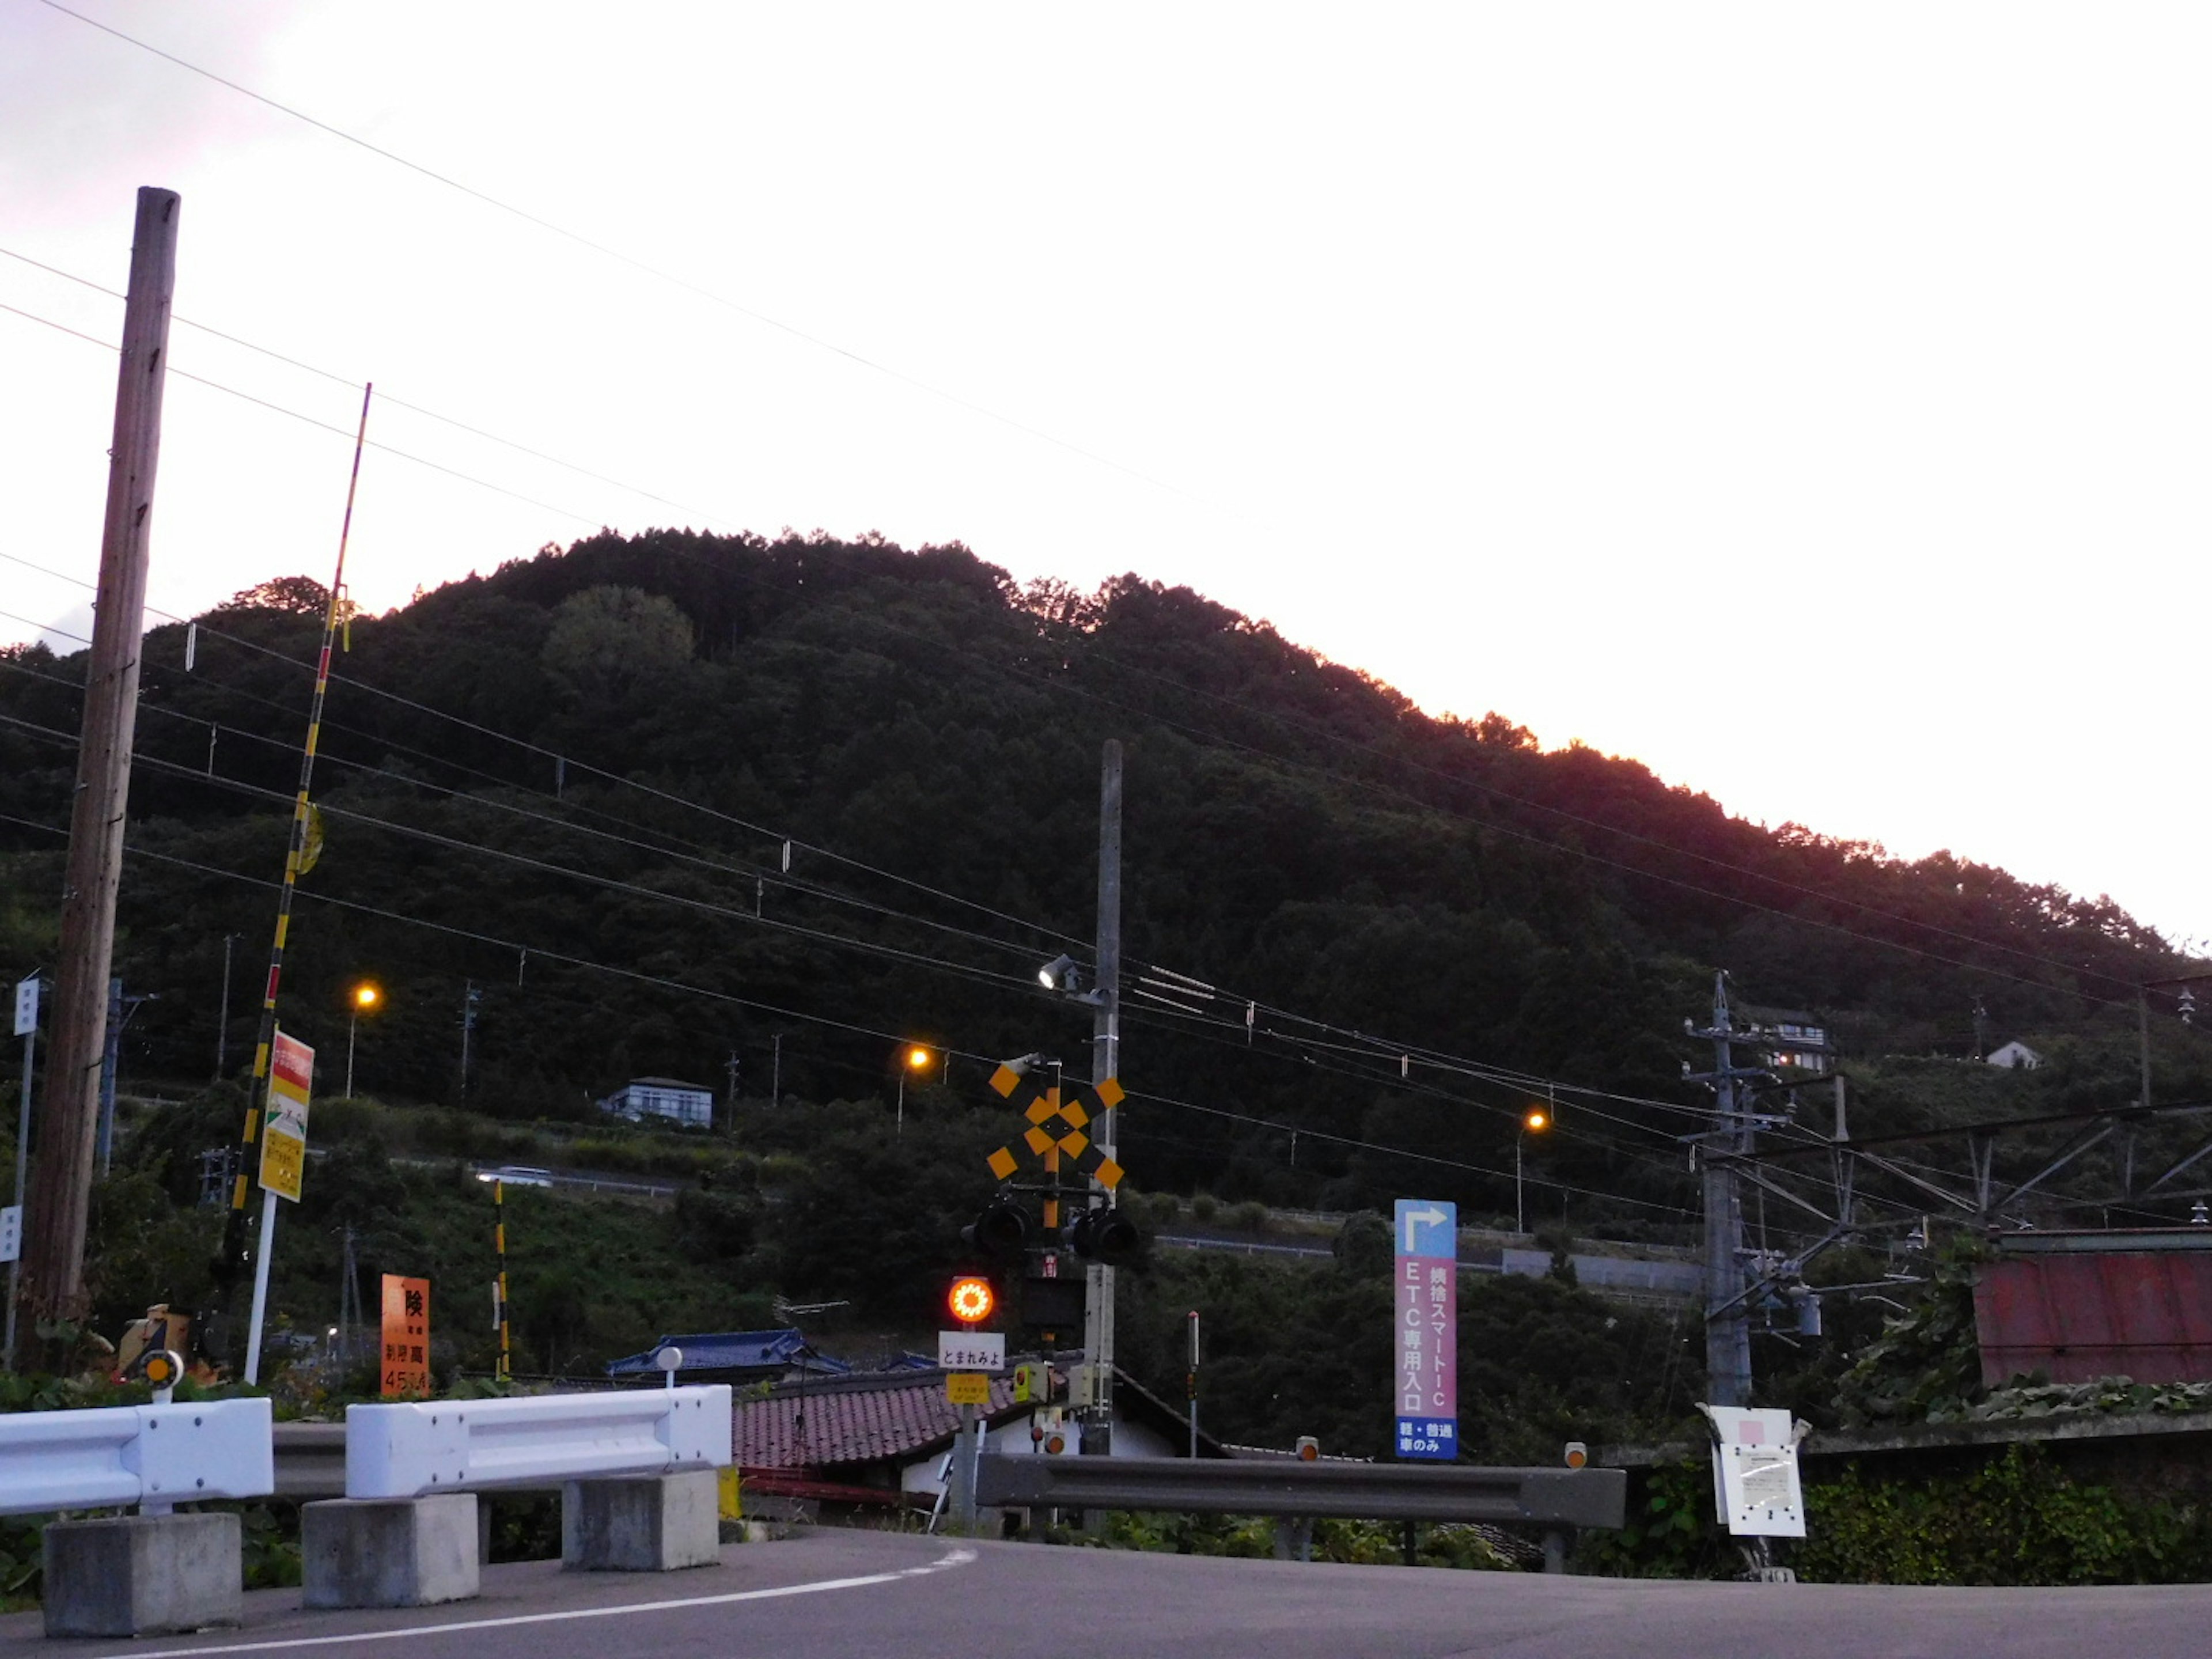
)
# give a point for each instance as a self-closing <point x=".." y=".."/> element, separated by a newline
<point x="652" y="1524"/>
<point x="389" y="1553"/>
<point x="141" y="1575"/>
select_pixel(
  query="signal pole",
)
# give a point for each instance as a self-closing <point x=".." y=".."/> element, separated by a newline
<point x="61" y="1195"/>
<point x="1728" y="1316"/>
<point x="1105" y="1062"/>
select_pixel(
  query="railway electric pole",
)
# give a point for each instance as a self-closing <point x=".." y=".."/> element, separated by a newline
<point x="1728" y="1313"/>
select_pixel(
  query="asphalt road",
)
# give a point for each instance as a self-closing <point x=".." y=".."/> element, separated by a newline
<point x="861" y="1596"/>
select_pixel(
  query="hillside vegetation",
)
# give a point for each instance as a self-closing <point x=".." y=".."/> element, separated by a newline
<point x="667" y="800"/>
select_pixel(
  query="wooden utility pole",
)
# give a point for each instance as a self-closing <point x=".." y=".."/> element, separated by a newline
<point x="61" y="1188"/>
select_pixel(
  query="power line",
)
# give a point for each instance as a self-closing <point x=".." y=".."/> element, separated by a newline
<point x="1405" y="797"/>
<point x="846" y="1026"/>
<point x="655" y="271"/>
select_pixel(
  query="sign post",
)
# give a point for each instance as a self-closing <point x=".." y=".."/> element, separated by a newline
<point x="283" y="1160"/>
<point x="1425" y="1312"/>
<point x="11" y="1219"/>
<point x="404" y="1368"/>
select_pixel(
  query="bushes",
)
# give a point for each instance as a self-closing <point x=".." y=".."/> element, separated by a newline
<point x="2016" y="1521"/>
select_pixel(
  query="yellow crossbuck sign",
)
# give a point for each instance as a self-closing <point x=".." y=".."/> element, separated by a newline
<point x="1057" y="1120"/>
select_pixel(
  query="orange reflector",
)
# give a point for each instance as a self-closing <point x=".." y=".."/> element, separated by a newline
<point x="970" y="1300"/>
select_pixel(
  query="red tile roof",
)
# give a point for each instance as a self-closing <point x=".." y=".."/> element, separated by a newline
<point x="883" y="1420"/>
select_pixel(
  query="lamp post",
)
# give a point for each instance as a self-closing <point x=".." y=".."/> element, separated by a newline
<point x="364" y="999"/>
<point x="915" y="1059"/>
<point x="1535" y="1120"/>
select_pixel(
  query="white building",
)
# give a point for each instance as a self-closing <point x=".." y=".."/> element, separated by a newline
<point x="662" y="1097"/>
<point x="2016" y="1056"/>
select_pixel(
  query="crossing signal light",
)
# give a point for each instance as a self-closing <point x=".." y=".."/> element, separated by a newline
<point x="1104" y="1236"/>
<point x="971" y="1299"/>
<point x="1002" y="1229"/>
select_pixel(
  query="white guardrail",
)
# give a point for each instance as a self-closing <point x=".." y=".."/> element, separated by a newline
<point x="459" y="1445"/>
<point x="150" y="1455"/>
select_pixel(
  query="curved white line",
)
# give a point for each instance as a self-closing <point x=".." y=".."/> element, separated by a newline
<point x="951" y="1558"/>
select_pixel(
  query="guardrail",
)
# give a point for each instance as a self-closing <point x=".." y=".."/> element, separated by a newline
<point x="416" y="1449"/>
<point x="151" y="1456"/>
<point x="1555" y="1499"/>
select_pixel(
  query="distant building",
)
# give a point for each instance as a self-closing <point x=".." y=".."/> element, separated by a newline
<point x="662" y="1097"/>
<point x="2015" y="1056"/>
<point x="1796" y="1041"/>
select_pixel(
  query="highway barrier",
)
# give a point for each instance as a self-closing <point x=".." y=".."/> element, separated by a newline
<point x="1557" y="1500"/>
<point x="421" y="1448"/>
<point x="118" y="1455"/>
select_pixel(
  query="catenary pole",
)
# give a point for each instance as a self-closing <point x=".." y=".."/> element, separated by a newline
<point x="1728" y="1321"/>
<point x="1096" y="1437"/>
<point x="61" y="1190"/>
<point x="234" y="1248"/>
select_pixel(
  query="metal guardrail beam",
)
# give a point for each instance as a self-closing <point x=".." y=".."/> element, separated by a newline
<point x="419" y="1447"/>
<point x="1373" y="1492"/>
<point x="114" y="1456"/>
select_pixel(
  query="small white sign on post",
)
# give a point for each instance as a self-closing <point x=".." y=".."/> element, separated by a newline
<point x="26" y="1005"/>
<point x="971" y="1351"/>
<point x="1756" y="1483"/>
<point x="11" y="1233"/>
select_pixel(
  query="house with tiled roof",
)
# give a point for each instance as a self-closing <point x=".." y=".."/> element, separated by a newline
<point x="880" y="1438"/>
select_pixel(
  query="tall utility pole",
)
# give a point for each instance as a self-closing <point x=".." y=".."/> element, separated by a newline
<point x="1727" y="1314"/>
<point x="470" y="997"/>
<point x="1105" y="1062"/>
<point x="222" y="1018"/>
<point x="61" y="1192"/>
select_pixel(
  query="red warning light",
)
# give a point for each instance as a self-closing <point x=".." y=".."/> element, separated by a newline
<point x="970" y="1300"/>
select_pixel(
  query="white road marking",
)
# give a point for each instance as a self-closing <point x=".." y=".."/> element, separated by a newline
<point x="951" y="1559"/>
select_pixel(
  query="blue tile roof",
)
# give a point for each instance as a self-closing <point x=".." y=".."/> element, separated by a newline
<point x="731" y="1350"/>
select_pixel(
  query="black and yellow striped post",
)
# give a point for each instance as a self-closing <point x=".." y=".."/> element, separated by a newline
<point x="498" y="1238"/>
<point x="297" y="857"/>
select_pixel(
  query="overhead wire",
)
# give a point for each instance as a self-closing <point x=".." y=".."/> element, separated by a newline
<point x="848" y="1027"/>
<point x="656" y="272"/>
<point x="1433" y="1058"/>
<point x="1405" y="797"/>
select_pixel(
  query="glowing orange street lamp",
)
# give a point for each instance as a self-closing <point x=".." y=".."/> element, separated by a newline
<point x="1535" y="1120"/>
<point x="915" y="1059"/>
<point x="364" y="999"/>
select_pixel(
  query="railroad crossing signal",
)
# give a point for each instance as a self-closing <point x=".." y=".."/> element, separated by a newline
<point x="1058" y="1117"/>
<point x="970" y="1300"/>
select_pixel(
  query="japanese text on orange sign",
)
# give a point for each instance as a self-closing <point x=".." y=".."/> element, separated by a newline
<point x="285" y="1117"/>
<point x="406" y="1364"/>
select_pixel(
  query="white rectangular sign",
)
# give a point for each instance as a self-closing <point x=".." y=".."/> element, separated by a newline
<point x="11" y="1233"/>
<point x="1755" y="1469"/>
<point x="26" y="1005"/>
<point x="971" y="1351"/>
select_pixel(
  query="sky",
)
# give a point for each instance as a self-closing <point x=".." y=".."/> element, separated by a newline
<point x="1807" y="402"/>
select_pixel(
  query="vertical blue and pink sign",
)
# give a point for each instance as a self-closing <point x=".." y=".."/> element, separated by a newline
<point x="1425" y="1316"/>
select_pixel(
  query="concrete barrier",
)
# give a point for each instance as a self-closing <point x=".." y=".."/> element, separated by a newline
<point x="416" y="1449"/>
<point x="154" y="1573"/>
<point x="635" y="1469"/>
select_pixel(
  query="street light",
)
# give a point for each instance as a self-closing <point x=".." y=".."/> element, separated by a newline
<point x="1535" y="1120"/>
<point x="915" y="1059"/>
<point x="364" y="1000"/>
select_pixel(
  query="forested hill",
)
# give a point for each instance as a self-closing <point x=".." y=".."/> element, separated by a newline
<point x="571" y="783"/>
